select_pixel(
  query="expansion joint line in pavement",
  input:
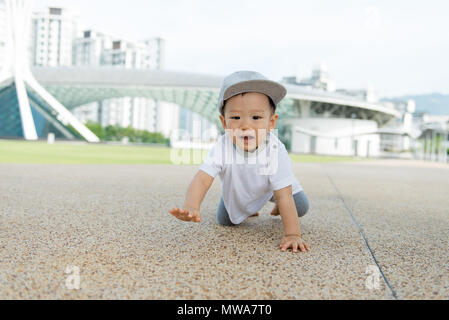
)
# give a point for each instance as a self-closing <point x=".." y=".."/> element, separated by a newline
<point x="393" y="292"/>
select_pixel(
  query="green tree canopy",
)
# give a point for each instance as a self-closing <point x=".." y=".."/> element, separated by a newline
<point x="117" y="133"/>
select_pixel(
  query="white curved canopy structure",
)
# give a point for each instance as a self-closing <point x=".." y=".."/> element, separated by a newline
<point x="73" y="87"/>
<point x="35" y="101"/>
<point x="77" y="86"/>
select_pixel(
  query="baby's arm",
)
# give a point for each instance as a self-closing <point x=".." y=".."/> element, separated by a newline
<point x="290" y="220"/>
<point x="195" y="195"/>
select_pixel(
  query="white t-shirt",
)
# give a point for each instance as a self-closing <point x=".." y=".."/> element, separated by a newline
<point x="248" y="179"/>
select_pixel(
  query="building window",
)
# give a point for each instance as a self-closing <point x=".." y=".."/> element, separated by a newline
<point x="116" y="45"/>
<point x="56" y="11"/>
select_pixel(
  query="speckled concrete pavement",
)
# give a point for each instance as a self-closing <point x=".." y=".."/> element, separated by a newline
<point x="111" y="223"/>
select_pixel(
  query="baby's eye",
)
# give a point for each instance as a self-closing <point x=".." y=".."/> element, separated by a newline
<point x="257" y="117"/>
<point x="235" y="117"/>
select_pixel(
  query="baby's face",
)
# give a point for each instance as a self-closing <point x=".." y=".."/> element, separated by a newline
<point x="248" y="119"/>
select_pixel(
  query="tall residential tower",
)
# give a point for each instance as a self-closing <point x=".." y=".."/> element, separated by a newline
<point x="98" y="49"/>
<point x="53" y="33"/>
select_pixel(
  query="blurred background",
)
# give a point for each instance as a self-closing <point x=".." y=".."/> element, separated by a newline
<point x="365" y="79"/>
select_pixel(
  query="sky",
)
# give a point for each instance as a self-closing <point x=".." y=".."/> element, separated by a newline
<point x="396" y="47"/>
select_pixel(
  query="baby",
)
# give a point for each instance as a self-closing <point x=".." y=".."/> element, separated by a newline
<point x="253" y="164"/>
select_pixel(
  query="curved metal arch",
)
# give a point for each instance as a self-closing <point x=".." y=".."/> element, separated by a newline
<point x="202" y="101"/>
<point x="136" y="82"/>
<point x="75" y="86"/>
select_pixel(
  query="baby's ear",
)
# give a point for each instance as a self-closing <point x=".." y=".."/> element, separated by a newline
<point x="273" y="120"/>
<point x="223" y="121"/>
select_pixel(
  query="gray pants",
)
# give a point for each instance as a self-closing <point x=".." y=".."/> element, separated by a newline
<point x="300" y="198"/>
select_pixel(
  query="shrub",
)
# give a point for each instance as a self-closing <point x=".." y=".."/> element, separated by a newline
<point x="116" y="133"/>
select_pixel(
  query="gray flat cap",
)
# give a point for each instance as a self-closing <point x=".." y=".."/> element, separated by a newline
<point x="250" y="81"/>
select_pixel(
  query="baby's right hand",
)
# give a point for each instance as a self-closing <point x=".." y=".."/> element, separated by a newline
<point x="186" y="214"/>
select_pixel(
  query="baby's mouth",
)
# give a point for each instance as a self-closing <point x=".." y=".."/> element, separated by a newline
<point x="246" y="138"/>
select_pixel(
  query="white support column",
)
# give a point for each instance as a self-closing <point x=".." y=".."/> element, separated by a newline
<point x="446" y="144"/>
<point x="67" y="116"/>
<point x="15" y="68"/>
<point x="437" y="148"/>
<point x="434" y="146"/>
<point x="305" y="106"/>
<point x="29" y="129"/>
<point x="21" y="12"/>
<point x="446" y="147"/>
<point x="440" y="147"/>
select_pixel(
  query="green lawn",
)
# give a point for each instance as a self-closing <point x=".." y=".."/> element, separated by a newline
<point x="14" y="151"/>
<point x="318" y="158"/>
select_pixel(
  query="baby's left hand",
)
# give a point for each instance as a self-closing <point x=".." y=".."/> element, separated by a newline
<point x="294" y="241"/>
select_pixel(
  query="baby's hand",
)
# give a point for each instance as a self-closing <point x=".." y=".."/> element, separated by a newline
<point x="294" y="241"/>
<point x="186" y="214"/>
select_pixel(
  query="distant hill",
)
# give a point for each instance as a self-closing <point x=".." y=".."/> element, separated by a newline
<point x="434" y="103"/>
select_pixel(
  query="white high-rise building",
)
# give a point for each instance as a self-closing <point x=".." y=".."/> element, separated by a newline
<point x="53" y="33"/>
<point x="167" y="118"/>
<point x="88" y="50"/>
<point x="156" y="49"/>
<point x="196" y="125"/>
<point x="139" y="113"/>
<point x="133" y="55"/>
<point x="318" y="80"/>
<point x="98" y="49"/>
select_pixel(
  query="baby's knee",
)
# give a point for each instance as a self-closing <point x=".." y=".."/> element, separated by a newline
<point x="303" y="210"/>
<point x="223" y="219"/>
<point x="225" y="222"/>
<point x="302" y="204"/>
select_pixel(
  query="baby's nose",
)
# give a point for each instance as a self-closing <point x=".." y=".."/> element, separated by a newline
<point x="247" y="130"/>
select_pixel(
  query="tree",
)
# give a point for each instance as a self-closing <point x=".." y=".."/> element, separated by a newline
<point x="116" y="133"/>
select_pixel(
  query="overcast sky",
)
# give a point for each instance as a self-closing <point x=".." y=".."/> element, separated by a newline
<point x="398" y="47"/>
